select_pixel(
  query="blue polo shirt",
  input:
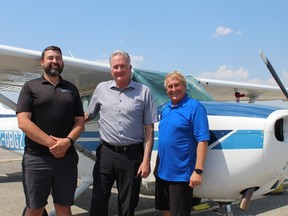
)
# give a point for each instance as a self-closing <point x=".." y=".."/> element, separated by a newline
<point x="181" y="127"/>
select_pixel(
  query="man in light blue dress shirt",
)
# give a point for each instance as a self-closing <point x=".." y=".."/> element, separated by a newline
<point x="126" y="126"/>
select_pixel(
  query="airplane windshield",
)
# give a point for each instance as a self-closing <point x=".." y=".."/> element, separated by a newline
<point x="155" y="81"/>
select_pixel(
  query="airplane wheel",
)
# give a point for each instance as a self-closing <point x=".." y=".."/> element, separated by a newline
<point x="44" y="213"/>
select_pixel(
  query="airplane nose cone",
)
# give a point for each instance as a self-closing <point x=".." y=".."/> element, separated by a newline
<point x="275" y="144"/>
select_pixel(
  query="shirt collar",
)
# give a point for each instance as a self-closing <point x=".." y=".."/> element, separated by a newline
<point x="44" y="80"/>
<point x="131" y="84"/>
<point x="180" y="103"/>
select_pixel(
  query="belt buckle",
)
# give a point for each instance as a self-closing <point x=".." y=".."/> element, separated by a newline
<point x="120" y="148"/>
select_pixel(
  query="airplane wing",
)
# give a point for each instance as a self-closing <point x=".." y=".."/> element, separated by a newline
<point x="235" y="91"/>
<point x="19" y="65"/>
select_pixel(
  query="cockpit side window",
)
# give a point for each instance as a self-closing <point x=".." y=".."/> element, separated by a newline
<point x="155" y="81"/>
<point x="85" y="103"/>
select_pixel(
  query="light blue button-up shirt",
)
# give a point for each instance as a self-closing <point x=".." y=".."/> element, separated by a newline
<point x="123" y="112"/>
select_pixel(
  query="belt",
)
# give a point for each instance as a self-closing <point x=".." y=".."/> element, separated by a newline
<point x="132" y="147"/>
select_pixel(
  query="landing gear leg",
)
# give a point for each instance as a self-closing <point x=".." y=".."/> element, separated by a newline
<point x="227" y="210"/>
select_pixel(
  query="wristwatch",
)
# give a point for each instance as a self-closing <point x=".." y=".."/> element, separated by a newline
<point x="198" y="171"/>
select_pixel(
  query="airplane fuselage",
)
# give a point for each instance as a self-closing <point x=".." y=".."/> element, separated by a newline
<point x="248" y="149"/>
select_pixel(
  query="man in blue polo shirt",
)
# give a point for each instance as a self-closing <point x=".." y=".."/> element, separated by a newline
<point x="182" y="146"/>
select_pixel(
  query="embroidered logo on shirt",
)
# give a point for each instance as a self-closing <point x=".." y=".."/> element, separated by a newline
<point x="67" y="90"/>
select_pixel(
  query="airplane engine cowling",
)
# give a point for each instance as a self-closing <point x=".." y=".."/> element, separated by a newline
<point x="248" y="152"/>
<point x="275" y="146"/>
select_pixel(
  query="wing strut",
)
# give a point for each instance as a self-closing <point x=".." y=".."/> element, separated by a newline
<point x="6" y="101"/>
<point x="273" y="73"/>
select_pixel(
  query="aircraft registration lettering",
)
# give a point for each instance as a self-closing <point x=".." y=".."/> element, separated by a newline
<point x="12" y="139"/>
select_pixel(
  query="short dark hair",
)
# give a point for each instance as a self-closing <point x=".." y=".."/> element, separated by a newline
<point x="50" y="48"/>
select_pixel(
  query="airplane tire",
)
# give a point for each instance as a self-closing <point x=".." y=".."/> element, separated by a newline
<point x="44" y="213"/>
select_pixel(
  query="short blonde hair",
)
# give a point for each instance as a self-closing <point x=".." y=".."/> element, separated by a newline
<point x="175" y="75"/>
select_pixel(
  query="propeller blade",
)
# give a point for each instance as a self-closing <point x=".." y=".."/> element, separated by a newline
<point x="273" y="73"/>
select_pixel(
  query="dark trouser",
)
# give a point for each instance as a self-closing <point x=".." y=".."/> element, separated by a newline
<point x="41" y="174"/>
<point x="175" y="197"/>
<point x="120" y="166"/>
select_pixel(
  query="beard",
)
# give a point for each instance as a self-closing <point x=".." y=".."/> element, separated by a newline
<point x="53" y="70"/>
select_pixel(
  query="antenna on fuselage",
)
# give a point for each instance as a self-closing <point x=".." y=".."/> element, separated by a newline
<point x="71" y="54"/>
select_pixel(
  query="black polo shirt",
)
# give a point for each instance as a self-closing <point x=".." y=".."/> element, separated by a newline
<point x="53" y="109"/>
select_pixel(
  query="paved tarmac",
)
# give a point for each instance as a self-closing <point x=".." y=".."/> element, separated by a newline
<point x="12" y="199"/>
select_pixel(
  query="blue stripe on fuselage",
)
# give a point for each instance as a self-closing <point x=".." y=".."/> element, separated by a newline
<point x="7" y="115"/>
<point x="237" y="109"/>
<point x="90" y="134"/>
<point x="240" y="139"/>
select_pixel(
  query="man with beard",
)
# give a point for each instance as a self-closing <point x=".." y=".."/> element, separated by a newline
<point x="50" y="113"/>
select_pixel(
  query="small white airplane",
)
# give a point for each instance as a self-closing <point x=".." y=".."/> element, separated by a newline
<point x="248" y="151"/>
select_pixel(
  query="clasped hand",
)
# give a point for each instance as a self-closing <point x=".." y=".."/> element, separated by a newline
<point x="60" y="147"/>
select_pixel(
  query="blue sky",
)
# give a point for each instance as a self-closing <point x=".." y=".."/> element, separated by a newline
<point x="208" y="38"/>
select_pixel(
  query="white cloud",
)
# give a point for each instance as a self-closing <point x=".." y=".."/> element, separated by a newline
<point x="241" y="74"/>
<point x="226" y="73"/>
<point x="271" y="81"/>
<point x="285" y="76"/>
<point x="222" y="31"/>
<point x="238" y="33"/>
<point x="136" y="60"/>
